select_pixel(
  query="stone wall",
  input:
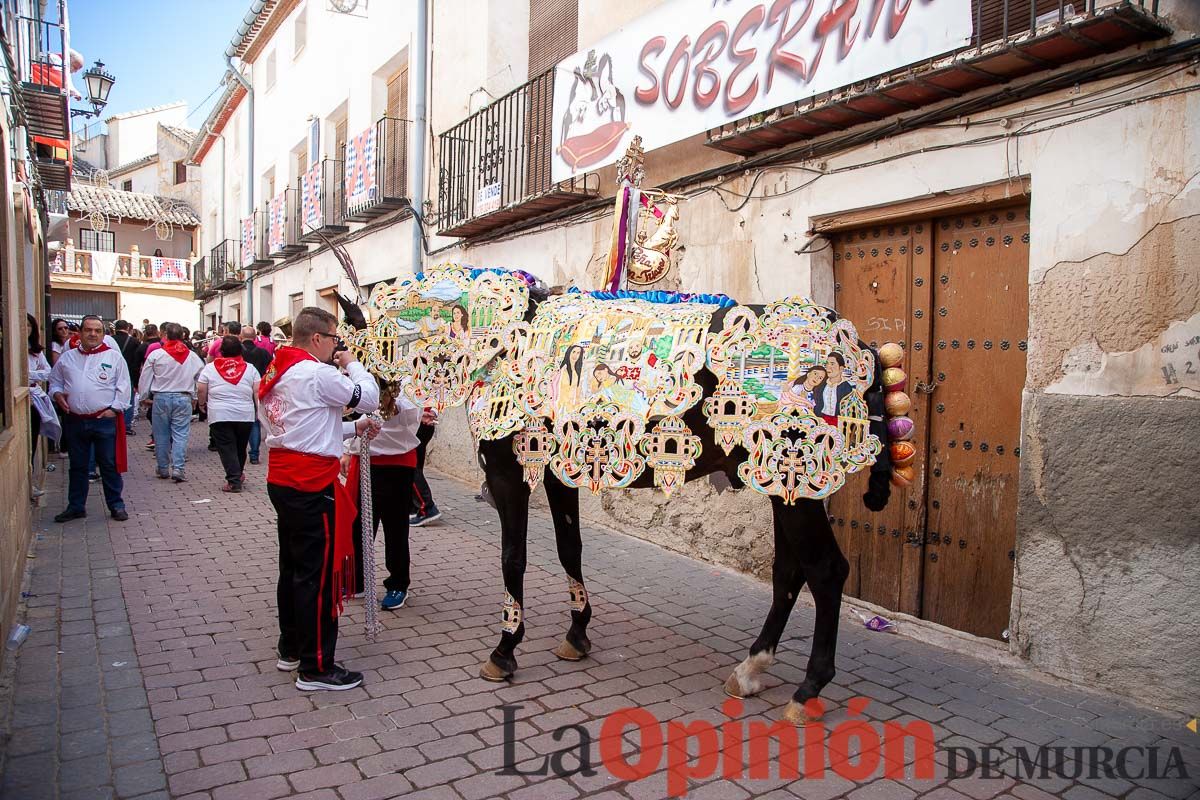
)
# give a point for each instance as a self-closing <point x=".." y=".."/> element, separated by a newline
<point x="15" y="527"/>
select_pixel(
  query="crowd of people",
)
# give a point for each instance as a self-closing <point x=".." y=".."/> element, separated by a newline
<point x="252" y="388"/>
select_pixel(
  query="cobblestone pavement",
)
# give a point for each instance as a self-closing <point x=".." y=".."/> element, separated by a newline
<point x="150" y="670"/>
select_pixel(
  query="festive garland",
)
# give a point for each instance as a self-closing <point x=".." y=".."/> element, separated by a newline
<point x="475" y="272"/>
<point x="898" y="404"/>
<point x="724" y="301"/>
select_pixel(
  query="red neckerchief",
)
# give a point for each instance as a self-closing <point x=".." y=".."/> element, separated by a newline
<point x="99" y="349"/>
<point x="231" y="369"/>
<point x="176" y="349"/>
<point x="285" y="358"/>
<point x="73" y="341"/>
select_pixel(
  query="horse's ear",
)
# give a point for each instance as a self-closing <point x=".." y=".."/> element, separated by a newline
<point x="554" y="290"/>
<point x="351" y="312"/>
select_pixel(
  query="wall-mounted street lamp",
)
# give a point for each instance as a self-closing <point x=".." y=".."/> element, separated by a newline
<point x="99" y="84"/>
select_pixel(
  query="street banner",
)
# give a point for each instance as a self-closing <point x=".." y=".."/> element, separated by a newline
<point x="168" y="270"/>
<point x="247" y="242"/>
<point x="310" y="197"/>
<point x="692" y="65"/>
<point x="277" y="229"/>
<point x="360" y="170"/>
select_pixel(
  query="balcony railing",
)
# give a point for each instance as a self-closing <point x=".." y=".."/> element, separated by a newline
<point x="322" y="201"/>
<point x="117" y="268"/>
<point x="1010" y="39"/>
<point x="283" y="225"/>
<point x="201" y="282"/>
<point x="41" y="63"/>
<point x="376" y="171"/>
<point x="256" y="255"/>
<point x="223" y="266"/>
<point x="494" y="166"/>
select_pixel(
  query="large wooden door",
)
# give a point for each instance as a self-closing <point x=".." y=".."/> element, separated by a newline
<point x="980" y="322"/>
<point x="881" y="275"/>
<point x="954" y="293"/>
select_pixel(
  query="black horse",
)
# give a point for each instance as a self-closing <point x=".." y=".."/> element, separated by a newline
<point x="805" y="551"/>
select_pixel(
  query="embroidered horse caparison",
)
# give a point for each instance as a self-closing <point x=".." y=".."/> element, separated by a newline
<point x="637" y="390"/>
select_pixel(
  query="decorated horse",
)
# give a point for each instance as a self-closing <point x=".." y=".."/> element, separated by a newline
<point x="613" y="390"/>
<point x="607" y="391"/>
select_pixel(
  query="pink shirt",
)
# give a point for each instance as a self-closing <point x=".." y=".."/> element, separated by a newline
<point x="265" y="343"/>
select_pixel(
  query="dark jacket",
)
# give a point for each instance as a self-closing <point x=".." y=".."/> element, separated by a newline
<point x="256" y="356"/>
<point x="129" y="348"/>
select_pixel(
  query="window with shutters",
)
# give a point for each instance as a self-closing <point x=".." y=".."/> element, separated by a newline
<point x="301" y="32"/>
<point x="127" y="186"/>
<point x="180" y="172"/>
<point x="553" y="33"/>
<point x="397" y="94"/>
<point x="295" y="303"/>
<point x="339" y="138"/>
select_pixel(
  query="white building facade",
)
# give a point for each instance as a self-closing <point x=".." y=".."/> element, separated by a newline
<point x="1017" y="209"/>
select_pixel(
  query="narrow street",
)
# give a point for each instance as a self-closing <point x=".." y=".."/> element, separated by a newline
<point x="150" y="669"/>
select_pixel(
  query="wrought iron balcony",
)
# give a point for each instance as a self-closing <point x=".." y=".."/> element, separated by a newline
<point x="282" y="216"/>
<point x="42" y="62"/>
<point x="322" y="201"/>
<point x="253" y="254"/>
<point x="494" y="166"/>
<point x="222" y="266"/>
<point x="376" y="171"/>
<point x="201" y="283"/>
<point x="1011" y="39"/>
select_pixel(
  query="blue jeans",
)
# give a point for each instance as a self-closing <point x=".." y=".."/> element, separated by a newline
<point x="172" y="424"/>
<point x="85" y="437"/>
<point x="255" y="440"/>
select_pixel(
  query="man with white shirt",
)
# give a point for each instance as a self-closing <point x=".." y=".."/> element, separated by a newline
<point x="169" y="383"/>
<point x="301" y="402"/>
<point x="90" y="383"/>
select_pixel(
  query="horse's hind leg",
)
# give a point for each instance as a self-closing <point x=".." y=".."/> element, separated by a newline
<point x="564" y="509"/>
<point x="787" y="579"/>
<point x="508" y="488"/>
<point x="825" y="570"/>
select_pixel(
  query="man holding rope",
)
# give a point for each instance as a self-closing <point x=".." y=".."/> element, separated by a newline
<point x="302" y="401"/>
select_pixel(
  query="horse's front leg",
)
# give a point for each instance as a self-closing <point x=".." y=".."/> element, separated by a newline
<point x="564" y="509"/>
<point x="825" y="570"/>
<point x="787" y="579"/>
<point x="507" y="486"/>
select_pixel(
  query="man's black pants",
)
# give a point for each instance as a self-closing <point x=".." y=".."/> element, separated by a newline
<point x="308" y="627"/>
<point x="391" y="496"/>
<point x="231" y="439"/>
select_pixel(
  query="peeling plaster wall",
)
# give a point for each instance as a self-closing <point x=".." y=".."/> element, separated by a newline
<point x="1113" y="282"/>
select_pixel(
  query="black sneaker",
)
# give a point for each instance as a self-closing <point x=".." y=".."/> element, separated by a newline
<point x="120" y="515"/>
<point x="332" y="680"/>
<point x="93" y="477"/>
<point x="68" y="515"/>
<point x="432" y="515"/>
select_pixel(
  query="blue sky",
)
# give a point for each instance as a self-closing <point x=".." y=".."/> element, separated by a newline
<point x="159" y="50"/>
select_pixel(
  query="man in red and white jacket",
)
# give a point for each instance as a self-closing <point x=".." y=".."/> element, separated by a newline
<point x="90" y="384"/>
<point x="302" y="399"/>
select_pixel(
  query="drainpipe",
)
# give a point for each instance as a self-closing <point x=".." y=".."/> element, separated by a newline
<point x="221" y="136"/>
<point x="230" y="52"/>
<point x="419" y="133"/>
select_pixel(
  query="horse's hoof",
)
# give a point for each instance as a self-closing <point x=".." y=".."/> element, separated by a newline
<point x="795" y="714"/>
<point x="733" y="687"/>
<point x="490" y="672"/>
<point x="569" y="652"/>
